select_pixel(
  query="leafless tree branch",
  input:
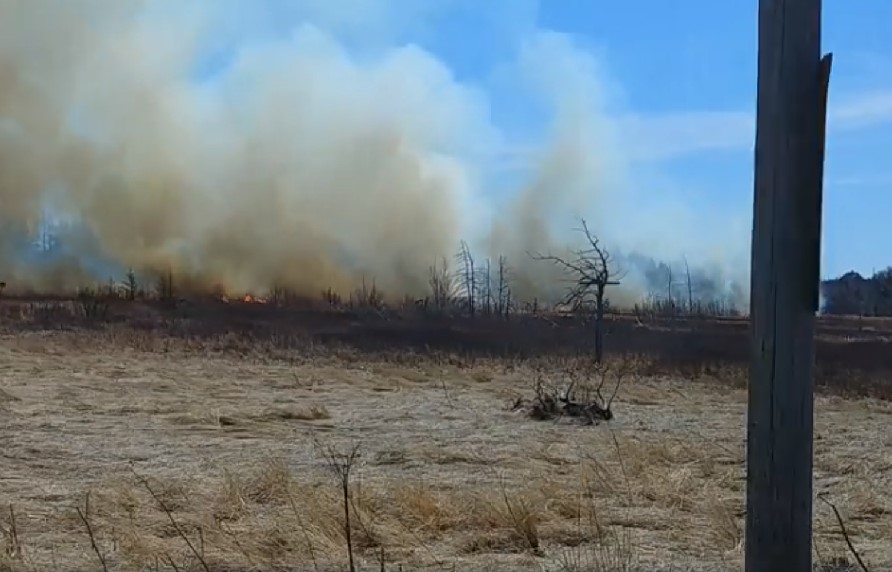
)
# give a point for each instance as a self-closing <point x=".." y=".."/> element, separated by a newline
<point x="845" y="533"/>
<point x="591" y="270"/>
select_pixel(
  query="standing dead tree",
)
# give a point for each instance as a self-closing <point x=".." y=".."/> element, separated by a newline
<point x="687" y="272"/>
<point x="131" y="285"/>
<point x="486" y="298"/>
<point x="503" y="292"/>
<point x="468" y="277"/>
<point x="592" y="270"/>
<point x="670" y="299"/>
<point x="442" y="288"/>
<point x="494" y="292"/>
<point x="367" y="296"/>
<point x="469" y="287"/>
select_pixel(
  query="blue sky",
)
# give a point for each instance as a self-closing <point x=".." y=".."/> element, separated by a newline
<point x="708" y="48"/>
<point x="687" y="68"/>
<point x="698" y="57"/>
<point x="682" y="74"/>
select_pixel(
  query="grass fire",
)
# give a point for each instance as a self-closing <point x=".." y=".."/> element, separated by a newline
<point x="283" y="289"/>
<point x="484" y="435"/>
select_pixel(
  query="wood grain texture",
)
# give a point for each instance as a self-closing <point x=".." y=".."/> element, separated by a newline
<point x="785" y="256"/>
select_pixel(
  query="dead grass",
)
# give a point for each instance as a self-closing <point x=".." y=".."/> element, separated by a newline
<point x="224" y="432"/>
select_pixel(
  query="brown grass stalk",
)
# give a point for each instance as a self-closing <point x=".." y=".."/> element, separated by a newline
<point x="173" y="521"/>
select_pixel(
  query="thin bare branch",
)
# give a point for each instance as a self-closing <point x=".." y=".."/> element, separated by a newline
<point x="14" y="546"/>
<point x="342" y="467"/>
<point x="845" y="533"/>
<point x="86" y="522"/>
<point x="173" y="521"/>
<point x="592" y="270"/>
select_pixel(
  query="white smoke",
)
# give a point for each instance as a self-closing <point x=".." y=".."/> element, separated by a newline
<point x="310" y="157"/>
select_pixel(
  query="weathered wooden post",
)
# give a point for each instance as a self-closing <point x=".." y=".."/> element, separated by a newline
<point x="785" y="281"/>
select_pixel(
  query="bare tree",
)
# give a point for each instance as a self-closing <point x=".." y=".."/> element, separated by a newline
<point x="469" y="278"/>
<point x="442" y="286"/>
<point x="592" y="271"/>
<point x="504" y="290"/>
<point x="671" y="306"/>
<point x="329" y="295"/>
<point x="687" y="271"/>
<point x="486" y="301"/>
<point x="367" y="296"/>
<point x="131" y="285"/>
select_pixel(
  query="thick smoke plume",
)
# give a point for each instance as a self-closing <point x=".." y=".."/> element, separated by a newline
<point x="284" y="161"/>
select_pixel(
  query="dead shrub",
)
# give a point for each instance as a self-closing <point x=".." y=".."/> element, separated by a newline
<point x="312" y="413"/>
<point x="94" y="304"/>
<point x="583" y="398"/>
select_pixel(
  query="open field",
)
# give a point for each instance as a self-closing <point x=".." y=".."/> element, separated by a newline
<point x="852" y="352"/>
<point x="228" y="426"/>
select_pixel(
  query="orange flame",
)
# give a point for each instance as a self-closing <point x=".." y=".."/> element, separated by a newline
<point x="246" y="299"/>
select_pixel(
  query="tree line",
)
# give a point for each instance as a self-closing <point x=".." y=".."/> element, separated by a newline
<point x="854" y="294"/>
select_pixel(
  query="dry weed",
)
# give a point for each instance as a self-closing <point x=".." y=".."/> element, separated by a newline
<point x="223" y="441"/>
<point x="312" y="413"/>
<point x="725" y="518"/>
<point x="612" y="552"/>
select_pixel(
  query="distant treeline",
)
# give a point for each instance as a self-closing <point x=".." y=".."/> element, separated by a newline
<point x="853" y="294"/>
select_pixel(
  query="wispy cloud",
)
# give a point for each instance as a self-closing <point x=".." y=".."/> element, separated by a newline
<point x="655" y="137"/>
<point x="666" y="136"/>
<point x="863" y="110"/>
<point x="882" y="179"/>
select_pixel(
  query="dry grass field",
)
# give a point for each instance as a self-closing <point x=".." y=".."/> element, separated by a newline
<point x="135" y="448"/>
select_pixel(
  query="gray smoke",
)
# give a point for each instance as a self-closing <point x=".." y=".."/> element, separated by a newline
<point x="297" y="163"/>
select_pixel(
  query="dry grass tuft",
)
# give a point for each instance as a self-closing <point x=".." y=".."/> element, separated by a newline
<point x="612" y="552"/>
<point x="272" y="484"/>
<point x="521" y="515"/>
<point x="483" y="377"/>
<point x="446" y="475"/>
<point x="430" y="511"/>
<point x="312" y="413"/>
<point x="725" y="522"/>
